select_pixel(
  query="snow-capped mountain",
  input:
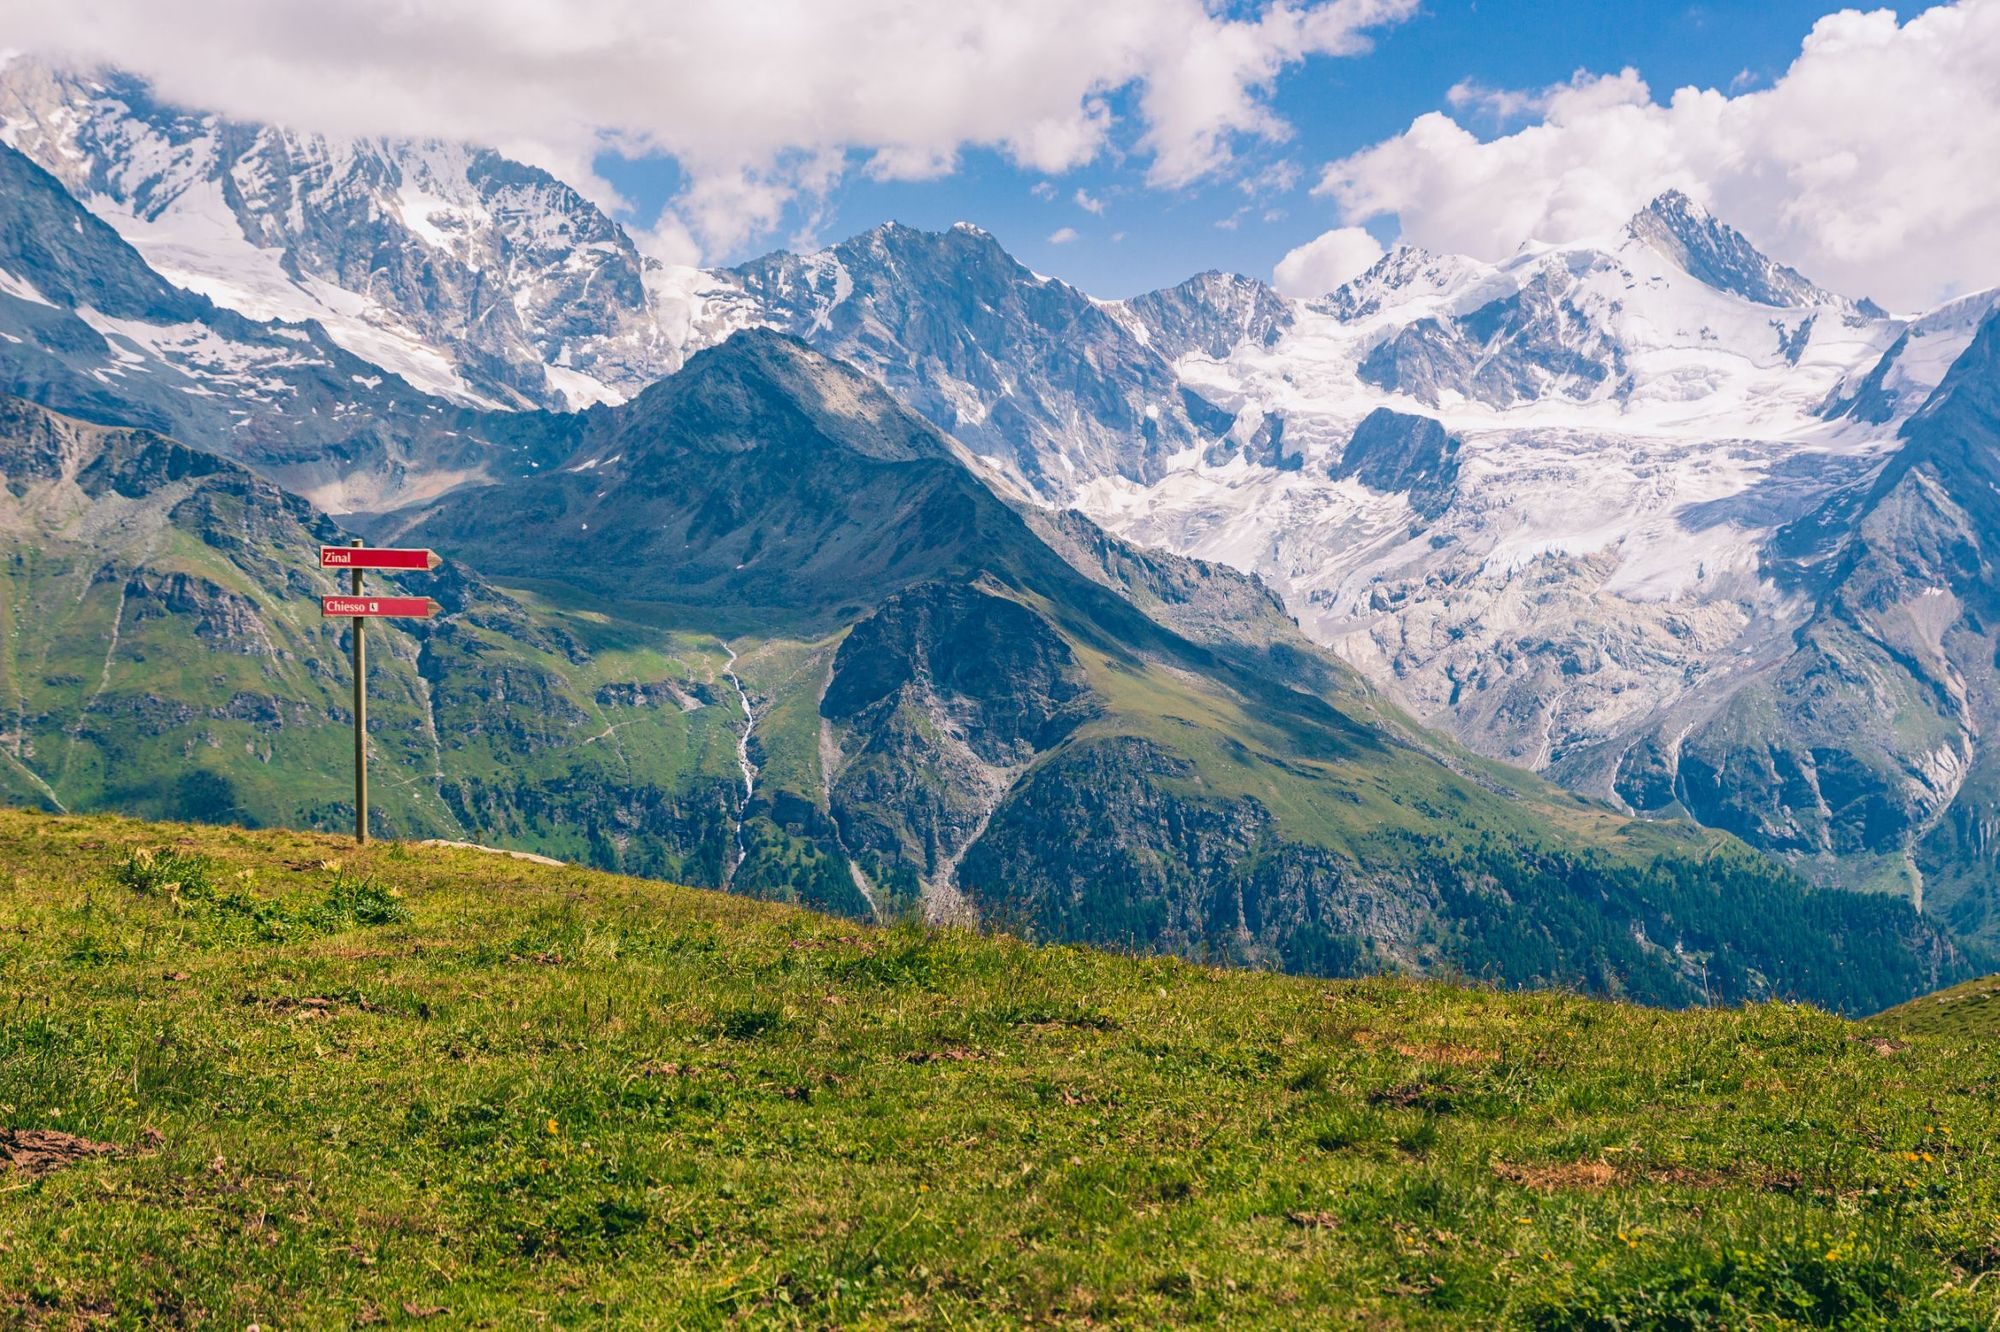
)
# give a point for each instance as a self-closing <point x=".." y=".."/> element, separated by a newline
<point x="472" y="276"/>
<point x="1720" y="257"/>
<point x="1050" y="386"/>
<point x="1543" y="499"/>
<point x="88" y="329"/>
<point x="1573" y="507"/>
<point x="1210" y="313"/>
<point x="492" y="284"/>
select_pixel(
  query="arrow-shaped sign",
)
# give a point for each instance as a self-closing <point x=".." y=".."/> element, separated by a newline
<point x="421" y="607"/>
<point x="376" y="557"/>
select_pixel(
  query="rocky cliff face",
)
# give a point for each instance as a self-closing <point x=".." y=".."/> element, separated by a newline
<point x="1861" y="752"/>
<point x="471" y="276"/>
<point x="1210" y="314"/>
<point x="1403" y="454"/>
<point x="1020" y="368"/>
<point x="96" y="333"/>
<point x="936" y="704"/>
<point x="1719" y="256"/>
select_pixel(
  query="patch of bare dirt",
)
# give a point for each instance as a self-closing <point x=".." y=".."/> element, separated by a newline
<point x="1552" y="1178"/>
<point x="38" y="1152"/>
<point x="1444" y="1052"/>
<point x="1313" y="1220"/>
<point x="312" y="1006"/>
<point x="1592" y="1175"/>
<point x="954" y="1054"/>
<point x="1423" y="1094"/>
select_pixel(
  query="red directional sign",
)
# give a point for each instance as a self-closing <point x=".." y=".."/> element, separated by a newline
<point x="375" y="557"/>
<point x="422" y="607"/>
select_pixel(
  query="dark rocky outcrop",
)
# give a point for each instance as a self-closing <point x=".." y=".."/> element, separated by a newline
<point x="1402" y="453"/>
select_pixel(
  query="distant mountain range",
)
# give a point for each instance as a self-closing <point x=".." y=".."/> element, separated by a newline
<point x="1657" y="516"/>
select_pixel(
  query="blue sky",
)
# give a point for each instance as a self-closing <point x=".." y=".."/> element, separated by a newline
<point x="1147" y="237"/>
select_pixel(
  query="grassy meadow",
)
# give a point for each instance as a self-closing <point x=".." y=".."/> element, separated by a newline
<point x="263" y="1077"/>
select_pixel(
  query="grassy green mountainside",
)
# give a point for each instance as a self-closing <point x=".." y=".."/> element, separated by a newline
<point x="163" y="654"/>
<point x="1969" y="1010"/>
<point x="263" y="1077"/>
<point x="766" y="631"/>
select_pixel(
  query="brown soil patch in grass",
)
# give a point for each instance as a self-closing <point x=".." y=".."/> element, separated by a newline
<point x="38" y="1152"/>
<point x="954" y="1054"/>
<point x="1564" y="1175"/>
<point x="1444" y="1052"/>
<point x="1594" y="1175"/>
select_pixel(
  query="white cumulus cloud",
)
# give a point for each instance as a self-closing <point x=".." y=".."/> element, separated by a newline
<point x="1322" y="264"/>
<point x="1062" y="236"/>
<point x="1870" y="164"/>
<point x="758" y="103"/>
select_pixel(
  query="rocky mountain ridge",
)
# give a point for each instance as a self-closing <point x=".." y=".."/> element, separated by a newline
<point x="473" y="277"/>
<point x="1608" y="499"/>
<point x="964" y="707"/>
<point x="88" y="328"/>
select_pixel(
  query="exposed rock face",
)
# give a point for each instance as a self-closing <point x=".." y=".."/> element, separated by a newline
<point x="1539" y="340"/>
<point x="1394" y="451"/>
<point x="1718" y="255"/>
<point x="1210" y="314"/>
<point x="1020" y="368"/>
<point x="937" y="701"/>
<point x="223" y="620"/>
<point x="468" y="274"/>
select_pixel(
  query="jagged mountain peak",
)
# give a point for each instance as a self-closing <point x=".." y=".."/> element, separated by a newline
<point x="1212" y="312"/>
<point x="1717" y="254"/>
<point x="761" y="385"/>
<point x="1406" y="275"/>
<point x="900" y="237"/>
<point x="475" y="277"/>
<point x="1053" y="386"/>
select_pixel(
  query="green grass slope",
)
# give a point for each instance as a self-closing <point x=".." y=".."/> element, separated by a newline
<point x="162" y="654"/>
<point x="1967" y="1012"/>
<point x="406" y="1084"/>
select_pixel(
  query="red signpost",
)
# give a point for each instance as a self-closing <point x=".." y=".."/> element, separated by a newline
<point x="360" y="609"/>
<point x="375" y="557"/>
<point x="421" y="607"/>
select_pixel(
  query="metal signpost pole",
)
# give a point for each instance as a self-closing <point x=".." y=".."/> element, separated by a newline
<point x="360" y="609"/>
<point x="360" y="716"/>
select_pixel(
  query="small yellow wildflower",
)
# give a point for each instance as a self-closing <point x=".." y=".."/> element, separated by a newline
<point x="554" y="1128"/>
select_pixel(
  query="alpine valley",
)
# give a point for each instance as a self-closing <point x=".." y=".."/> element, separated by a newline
<point x="1469" y="617"/>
